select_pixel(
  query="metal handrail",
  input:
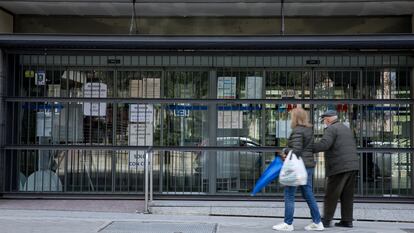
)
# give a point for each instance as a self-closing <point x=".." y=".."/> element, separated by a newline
<point x="185" y="148"/>
<point x="30" y="99"/>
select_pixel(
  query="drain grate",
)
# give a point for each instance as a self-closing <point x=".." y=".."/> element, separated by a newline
<point x="411" y="230"/>
<point x="159" y="227"/>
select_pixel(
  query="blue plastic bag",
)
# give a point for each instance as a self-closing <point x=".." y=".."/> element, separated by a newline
<point x="270" y="174"/>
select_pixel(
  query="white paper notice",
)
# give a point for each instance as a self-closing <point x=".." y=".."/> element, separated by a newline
<point x="141" y="113"/>
<point x="94" y="90"/>
<point x="139" y="135"/>
<point x="226" y="87"/>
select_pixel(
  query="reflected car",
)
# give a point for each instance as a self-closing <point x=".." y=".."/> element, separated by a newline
<point x="236" y="170"/>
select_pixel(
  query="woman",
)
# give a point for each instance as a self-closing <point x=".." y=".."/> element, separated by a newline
<point x="301" y="143"/>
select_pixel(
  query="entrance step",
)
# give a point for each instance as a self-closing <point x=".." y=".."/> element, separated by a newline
<point x="362" y="211"/>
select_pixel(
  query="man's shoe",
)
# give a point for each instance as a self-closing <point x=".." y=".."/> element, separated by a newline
<point x="344" y="224"/>
<point x="326" y="223"/>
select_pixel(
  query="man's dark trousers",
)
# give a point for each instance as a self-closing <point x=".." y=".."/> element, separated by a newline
<point x="340" y="186"/>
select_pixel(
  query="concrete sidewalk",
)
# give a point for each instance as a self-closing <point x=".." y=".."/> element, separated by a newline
<point x="116" y="216"/>
<point x="23" y="221"/>
<point x="52" y="221"/>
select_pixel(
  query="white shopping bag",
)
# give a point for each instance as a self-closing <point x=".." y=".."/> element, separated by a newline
<point x="293" y="172"/>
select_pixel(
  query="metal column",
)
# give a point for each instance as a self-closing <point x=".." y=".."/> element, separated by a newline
<point x="412" y="129"/>
<point x="2" y="120"/>
<point x="148" y="181"/>
<point x="411" y="116"/>
<point x="212" y="133"/>
<point x="161" y="154"/>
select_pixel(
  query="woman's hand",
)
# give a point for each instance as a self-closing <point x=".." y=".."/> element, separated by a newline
<point x="277" y="151"/>
<point x="281" y="154"/>
<point x="284" y="153"/>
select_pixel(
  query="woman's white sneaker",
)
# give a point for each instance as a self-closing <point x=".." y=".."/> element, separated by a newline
<point x="283" y="227"/>
<point x="315" y="227"/>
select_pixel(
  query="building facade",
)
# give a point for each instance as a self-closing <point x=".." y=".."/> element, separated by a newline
<point x="208" y="100"/>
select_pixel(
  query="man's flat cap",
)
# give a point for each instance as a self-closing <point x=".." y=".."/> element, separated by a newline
<point x="329" y="113"/>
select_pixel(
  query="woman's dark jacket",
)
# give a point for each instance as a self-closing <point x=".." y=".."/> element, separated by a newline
<point x="301" y="142"/>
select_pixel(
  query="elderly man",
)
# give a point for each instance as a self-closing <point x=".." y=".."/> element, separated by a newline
<point x="342" y="165"/>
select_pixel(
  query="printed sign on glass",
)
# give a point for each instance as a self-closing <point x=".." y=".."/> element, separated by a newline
<point x="139" y="135"/>
<point x="226" y="87"/>
<point x="141" y="113"/>
<point x="94" y="90"/>
<point x="40" y="78"/>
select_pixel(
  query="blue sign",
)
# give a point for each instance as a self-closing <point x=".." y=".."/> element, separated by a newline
<point x="386" y="108"/>
<point x="43" y="107"/>
<point x="220" y="108"/>
<point x="187" y="107"/>
<point x="239" y="108"/>
<point x="181" y="112"/>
